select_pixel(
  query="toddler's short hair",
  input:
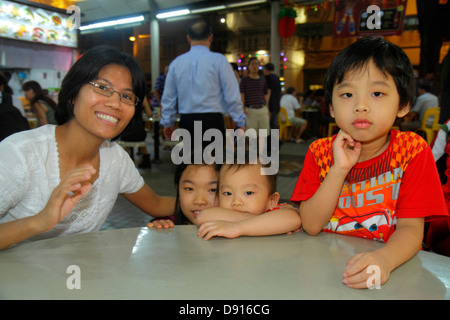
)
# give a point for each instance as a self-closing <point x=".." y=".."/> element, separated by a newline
<point x="236" y="166"/>
<point x="388" y="57"/>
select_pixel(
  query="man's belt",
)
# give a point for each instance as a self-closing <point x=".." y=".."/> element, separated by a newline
<point x="256" y="106"/>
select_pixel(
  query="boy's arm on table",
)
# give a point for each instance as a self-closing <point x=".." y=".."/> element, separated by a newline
<point x="404" y="243"/>
<point x="278" y="221"/>
<point x="218" y="213"/>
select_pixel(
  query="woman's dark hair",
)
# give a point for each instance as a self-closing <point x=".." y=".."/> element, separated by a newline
<point x="180" y="218"/>
<point x="86" y="69"/>
<point x="388" y="57"/>
<point x="38" y="94"/>
<point x="3" y="81"/>
<point x="5" y="76"/>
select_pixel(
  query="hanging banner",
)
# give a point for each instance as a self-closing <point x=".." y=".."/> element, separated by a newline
<point x="356" y="18"/>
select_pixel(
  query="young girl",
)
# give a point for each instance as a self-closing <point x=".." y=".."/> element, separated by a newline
<point x="196" y="186"/>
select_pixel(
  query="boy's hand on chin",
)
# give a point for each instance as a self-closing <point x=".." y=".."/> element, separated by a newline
<point x="346" y="150"/>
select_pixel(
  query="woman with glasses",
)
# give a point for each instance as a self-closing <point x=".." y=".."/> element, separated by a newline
<point x="62" y="179"/>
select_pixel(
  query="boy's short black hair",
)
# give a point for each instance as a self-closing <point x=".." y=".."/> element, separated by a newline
<point x="237" y="165"/>
<point x="388" y="57"/>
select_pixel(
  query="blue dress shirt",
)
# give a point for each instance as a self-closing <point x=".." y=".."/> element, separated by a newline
<point x="201" y="81"/>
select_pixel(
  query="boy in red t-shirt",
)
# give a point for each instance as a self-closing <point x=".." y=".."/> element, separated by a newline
<point x="369" y="181"/>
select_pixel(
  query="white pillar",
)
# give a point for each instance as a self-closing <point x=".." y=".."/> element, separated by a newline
<point x="154" y="46"/>
<point x="154" y="42"/>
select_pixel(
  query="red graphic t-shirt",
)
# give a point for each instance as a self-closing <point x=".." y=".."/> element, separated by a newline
<point x="402" y="182"/>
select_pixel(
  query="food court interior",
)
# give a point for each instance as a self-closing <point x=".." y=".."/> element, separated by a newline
<point x="155" y="34"/>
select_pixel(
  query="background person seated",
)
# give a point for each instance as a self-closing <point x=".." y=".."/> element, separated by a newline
<point x="290" y="103"/>
<point x="425" y="100"/>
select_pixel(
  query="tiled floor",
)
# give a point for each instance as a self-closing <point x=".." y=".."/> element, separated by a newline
<point x="160" y="179"/>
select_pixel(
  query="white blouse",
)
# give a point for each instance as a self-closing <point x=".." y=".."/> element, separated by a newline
<point x="29" y="171"/>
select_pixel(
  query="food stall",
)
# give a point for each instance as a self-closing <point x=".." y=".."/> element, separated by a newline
<point x="37" y="42"/>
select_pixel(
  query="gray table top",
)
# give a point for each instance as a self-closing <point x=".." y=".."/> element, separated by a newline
<point x="141" y="263"/>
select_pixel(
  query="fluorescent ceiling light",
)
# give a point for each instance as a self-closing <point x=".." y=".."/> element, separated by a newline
<point x="209" y="9"/>
<point x="183" y="12"/>
<point x="112" y="23"/>
<point x="172" y="14"/>
<point x="181" y="18"/>
<point x="245" y="3"/>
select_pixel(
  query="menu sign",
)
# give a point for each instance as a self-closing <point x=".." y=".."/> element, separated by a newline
<point x="22" y="22"/>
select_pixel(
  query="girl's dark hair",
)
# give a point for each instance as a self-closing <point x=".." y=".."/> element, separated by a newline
<point x="38" y="93"/>
<point x="180" y="218"/>
<point x="388" y="57"/>
<point x="86" y="69"/>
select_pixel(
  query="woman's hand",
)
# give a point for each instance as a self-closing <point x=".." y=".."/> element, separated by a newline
<point x="65" y="196"/>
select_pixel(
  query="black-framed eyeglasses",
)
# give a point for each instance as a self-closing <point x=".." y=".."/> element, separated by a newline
<point x="126" y="97"/>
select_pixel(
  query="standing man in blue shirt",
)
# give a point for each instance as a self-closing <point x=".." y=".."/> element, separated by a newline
<point x="202" y="85"/>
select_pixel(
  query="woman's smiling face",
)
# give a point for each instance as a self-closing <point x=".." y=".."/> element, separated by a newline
<point x="102" y="116"/>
